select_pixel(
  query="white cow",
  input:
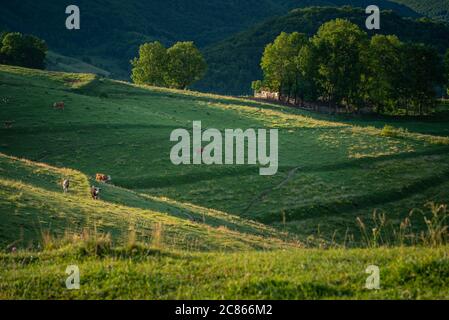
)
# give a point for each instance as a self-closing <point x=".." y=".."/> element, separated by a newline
<point x="65" y="185"/>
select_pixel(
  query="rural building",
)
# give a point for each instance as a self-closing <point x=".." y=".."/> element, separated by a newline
<point x="264" y="94"/>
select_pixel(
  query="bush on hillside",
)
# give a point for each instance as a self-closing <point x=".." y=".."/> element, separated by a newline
<point x="22" y="50"/>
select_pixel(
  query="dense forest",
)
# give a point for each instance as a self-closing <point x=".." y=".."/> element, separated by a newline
<point x="435" y="9"/>
<point x="235" y="62"/>
<point x="112" y="31"/>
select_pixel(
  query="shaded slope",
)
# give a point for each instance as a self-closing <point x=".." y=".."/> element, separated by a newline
<point x="112" y="30"/>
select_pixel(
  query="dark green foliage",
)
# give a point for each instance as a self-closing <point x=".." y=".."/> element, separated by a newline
<point x="111" y="31"/>
<point x="234" y="63"/>
<point x="339" y="47"/>
<point x="446" y="68"/>
<point x="346" y="70"/>
<point x="383" y="81"/>
<point x="22" y="50"/>
<point x="422" y="73"/>
<point x="111" y="34"/>
<point x="437" y="9"/>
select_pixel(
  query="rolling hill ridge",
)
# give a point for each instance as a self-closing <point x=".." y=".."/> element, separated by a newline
<point x="123" y="130"/>
<point x="183" y="232"/>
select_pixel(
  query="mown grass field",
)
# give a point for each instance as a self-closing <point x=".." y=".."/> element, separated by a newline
<point x="224" y="230"/>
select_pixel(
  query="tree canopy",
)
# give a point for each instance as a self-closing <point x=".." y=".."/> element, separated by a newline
<point x="176" y="67"/>
<point x="341" y="67"/>
<point x="150" y="67"/>
<point x="338" y="47"/>
<point x="22" y="50"/>
<point x="185" y="65"/>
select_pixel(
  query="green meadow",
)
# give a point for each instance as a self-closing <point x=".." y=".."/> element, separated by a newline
<point x="338" y="203"/>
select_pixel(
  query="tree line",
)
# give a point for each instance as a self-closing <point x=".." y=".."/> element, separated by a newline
<point x="341" y="67"/>
<point x="176" y="67"/>
<point x="22" y="50"/>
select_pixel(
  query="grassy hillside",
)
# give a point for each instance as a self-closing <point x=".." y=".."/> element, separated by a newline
<point x="34" y="208"/>
<point x="235" y="62"/>
<point x="162" y="231"/>
<point x="330" y="173"/>
<point x="405" y="273"/>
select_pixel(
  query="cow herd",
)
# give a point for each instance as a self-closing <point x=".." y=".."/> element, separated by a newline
<point x="94" y="191"/>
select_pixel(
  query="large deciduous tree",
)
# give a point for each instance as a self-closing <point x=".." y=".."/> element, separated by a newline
<point x="339" y="46"/>
<point x="151" y="65"/>
<point x="186" y="65"/>
<point x="178" y="67"/>
<point x="279" y="64"/>
<point x="382" y="79"/>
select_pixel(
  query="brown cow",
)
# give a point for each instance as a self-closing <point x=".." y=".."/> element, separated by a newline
<point x="58" y="105"/>
<point x="102" y="177"/>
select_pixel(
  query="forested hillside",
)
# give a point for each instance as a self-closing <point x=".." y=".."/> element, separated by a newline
<point x="234" y="63"/>
<point x="436" y="9"/>
<point x="112" y="30"/>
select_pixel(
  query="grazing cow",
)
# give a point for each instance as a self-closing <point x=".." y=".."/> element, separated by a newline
<point x="65" y="185"/>
<point x="102" y="177"/>
<point x="95" y="192"/>
<point x="58" y="105"/>
<point x="9" y="124"/>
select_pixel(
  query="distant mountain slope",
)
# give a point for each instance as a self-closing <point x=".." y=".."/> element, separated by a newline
<point x="116" y="28"/>
<point x="436" y="9"/>
<point x="234" y="63"/>
<point x="57" y="62"/>
<point x="112" y="30"/>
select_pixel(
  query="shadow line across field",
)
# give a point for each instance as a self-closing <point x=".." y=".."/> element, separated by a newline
<point x="163" y="181"/>
<point x="355" y="202"/>
<point x="75" y="128"/>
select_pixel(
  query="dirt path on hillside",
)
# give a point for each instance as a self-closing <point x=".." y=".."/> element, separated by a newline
<point x="266" y="192"/>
